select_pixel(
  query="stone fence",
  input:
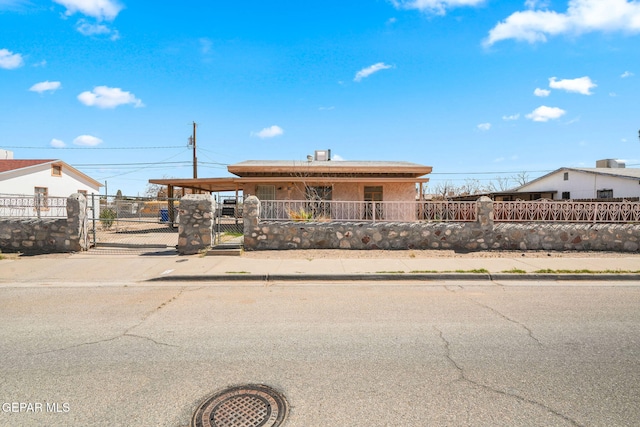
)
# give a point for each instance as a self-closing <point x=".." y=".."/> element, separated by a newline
<point x="483" y="234"/>
<point x="47" y="235"/>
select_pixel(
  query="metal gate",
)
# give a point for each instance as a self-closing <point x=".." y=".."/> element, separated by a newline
<point x="125" y="224"/>
<point x="228" y="228"/>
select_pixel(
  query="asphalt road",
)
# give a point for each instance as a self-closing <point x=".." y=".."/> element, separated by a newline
<point x="455" y="354"/>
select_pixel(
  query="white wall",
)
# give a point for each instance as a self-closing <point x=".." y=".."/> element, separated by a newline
<point x="24" y="181"/>
<point x="583" y="185"/>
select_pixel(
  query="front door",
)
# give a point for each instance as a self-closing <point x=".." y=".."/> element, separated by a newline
<point x="373" y="195"/>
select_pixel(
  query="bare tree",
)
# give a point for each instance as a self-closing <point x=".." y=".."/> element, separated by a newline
<point x="155" y="190"/>
<point x="521" y="178"/>
<point x="501" y="183"/>
<point x="445" y="189"/>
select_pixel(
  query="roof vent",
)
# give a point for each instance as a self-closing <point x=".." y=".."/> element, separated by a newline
<point x="322" y="155"/>
<point x="610" y="163"/>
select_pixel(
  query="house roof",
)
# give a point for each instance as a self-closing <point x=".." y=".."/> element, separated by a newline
<point x="9" y="165"/>
<point x="15" y="164"/>
<point x="625" y="173"/>
<point x="236" y="183"/>
<point x="320" y="172"/>
<point x="326" y="168"/>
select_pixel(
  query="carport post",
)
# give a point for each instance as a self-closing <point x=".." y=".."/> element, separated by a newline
<point x="171" y="206"/>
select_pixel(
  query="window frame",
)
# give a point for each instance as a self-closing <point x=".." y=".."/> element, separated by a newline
<point x="56" y="170"/>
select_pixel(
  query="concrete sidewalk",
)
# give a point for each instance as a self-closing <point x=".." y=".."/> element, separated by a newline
<point x="333" y="265"/>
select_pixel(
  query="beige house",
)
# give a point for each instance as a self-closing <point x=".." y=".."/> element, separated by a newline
<point x="317" y="178"/>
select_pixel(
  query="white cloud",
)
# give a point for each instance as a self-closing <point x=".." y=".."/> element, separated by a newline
<point x="541" y="92"/>
<point x="10" y="60"/>
<point x="87" y="141"/>
<point x="582" y="16"/>
<point x="484" y="126"/>
<point x="269" y="132"/>
<point x="90" y="29"/>
<point x="544" y="114"/>
<point x="13" y="4"/>
<point x="438" y="7"/>
<point x="511" y="117"/>
<point x="536" y="4"/>
<point x="337" y="158"/>
<point x="56" y="143"/>
<point x="366" y="72"/>
<point x="581" y="85"/>
<point x="108" y="97"/>
<point x="102" y="10"/>
<point x="98" y="10"/>
<point x="626" y="74"/>
<point x="45" y="86"/>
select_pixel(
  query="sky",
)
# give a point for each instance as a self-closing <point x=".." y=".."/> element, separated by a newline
<point x="477" y="89"/>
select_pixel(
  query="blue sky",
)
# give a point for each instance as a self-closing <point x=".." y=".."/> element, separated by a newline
<point x="477" y="89"/>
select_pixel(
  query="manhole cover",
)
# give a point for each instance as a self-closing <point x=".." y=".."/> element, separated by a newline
<point x="242" y="406"/>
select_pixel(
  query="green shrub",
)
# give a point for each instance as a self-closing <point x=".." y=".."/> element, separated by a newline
<point x="106" y="218"/>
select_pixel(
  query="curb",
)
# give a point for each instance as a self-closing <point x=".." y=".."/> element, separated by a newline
<point x="394" y="277"/>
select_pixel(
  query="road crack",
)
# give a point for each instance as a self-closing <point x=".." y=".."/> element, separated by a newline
<point x="508" y="319"/>
<point x="462" y="376"/>
<point x="126" y="333"/>
<point x="503" y="316"/>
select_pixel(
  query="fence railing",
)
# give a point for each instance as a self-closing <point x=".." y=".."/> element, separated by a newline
<point x="559" y="211"/>
<point x="33" y="207"/>
<point x="320" y="210"/>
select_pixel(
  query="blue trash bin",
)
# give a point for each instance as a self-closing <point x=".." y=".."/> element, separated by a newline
<point x="164" y="215"/>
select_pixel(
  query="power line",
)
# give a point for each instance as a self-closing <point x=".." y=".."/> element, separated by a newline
<point x="487" y="173"/>
<point x="128" y="164"/>
<point x="94" y="148"/>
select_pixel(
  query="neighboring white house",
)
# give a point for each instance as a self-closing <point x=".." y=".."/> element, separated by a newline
<point x="47" y="178"/>
<point x="609" y="179"/>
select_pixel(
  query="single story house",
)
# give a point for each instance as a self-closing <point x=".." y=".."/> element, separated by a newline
<point x="610" y="179"/>
<point x="50" y="178"/>
<point x="318" y="178"/>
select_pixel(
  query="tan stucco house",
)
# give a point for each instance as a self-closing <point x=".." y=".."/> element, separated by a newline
<point x="318" y="177"/>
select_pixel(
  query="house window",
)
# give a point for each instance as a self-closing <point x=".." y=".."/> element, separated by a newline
<point x="566" y="176"/>
<point x="40" y="197"/>
<point x="605" y="194"/>
<point x="56" y="170"/>
<point x="266" y="192"/>
<point x="566" y="195"/>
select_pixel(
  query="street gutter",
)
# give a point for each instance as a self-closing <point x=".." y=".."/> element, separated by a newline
<point x="396" y="277"/>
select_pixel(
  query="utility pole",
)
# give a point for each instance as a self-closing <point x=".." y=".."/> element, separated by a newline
<point x="195" y="158"/>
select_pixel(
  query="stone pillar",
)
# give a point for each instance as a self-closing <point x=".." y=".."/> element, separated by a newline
<point x="250" y="218"/>
<point x="196" y="223"/>
<point x="485" y="213"/>
<point x="77" y="227"/>
<point x="486" y="237"/>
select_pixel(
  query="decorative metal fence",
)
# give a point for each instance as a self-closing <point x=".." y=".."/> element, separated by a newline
<point x="446" y="211"/>
<point x="33" y="207"/>
<point x="321" y="210"/>
<point x="557" y="211"/>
